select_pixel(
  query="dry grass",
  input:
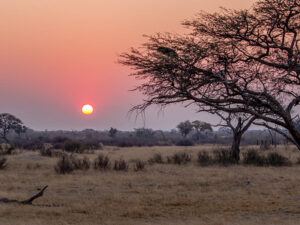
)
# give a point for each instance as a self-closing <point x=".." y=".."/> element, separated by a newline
<point x="162" y="194"/>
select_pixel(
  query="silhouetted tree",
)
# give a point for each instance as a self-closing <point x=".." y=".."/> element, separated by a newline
<point x="185" y="128"/>
<point x="201" y="127"/>
<point x="238" y="124"/>
<point x="236" y="61"/>
<point x="9" y="123"/>
<point x="112" y="132"/>
<point x="21" y="129"/>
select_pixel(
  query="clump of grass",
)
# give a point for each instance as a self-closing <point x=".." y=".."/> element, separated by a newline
<point x="275" y="159"/>
<point x="180" y="158"/>
<point x="46" y="152"/>
<point x="224" y="157"/>
<point x="204" y="159"/>
<point x="33" y="166"/>
<point x="156" y="158"/>
<point x="50" y="152"/>
<point x="120" y="165"/>
<point x="64" y="165"/>
<point x="139" y="165"/>
<point x="102" y="162"/>
<point x="81" y="164"/>
<point x="252" y="157"/>
<point x="3" y="163"/>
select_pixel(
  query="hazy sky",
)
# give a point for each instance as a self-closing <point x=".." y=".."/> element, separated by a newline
<point x="56" y="55"/>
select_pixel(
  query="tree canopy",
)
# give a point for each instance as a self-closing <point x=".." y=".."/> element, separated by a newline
<point x="8" y="123"/>
<point x="235" y="61"/>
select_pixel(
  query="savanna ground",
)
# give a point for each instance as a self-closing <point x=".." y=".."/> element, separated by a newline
<point x="162" y="194"/>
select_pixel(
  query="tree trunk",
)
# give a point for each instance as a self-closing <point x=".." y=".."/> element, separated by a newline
<point x="235" y="147"/>
<point x="294" y="133"/>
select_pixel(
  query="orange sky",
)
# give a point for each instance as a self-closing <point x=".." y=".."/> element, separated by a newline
<point x="56" y="55"/>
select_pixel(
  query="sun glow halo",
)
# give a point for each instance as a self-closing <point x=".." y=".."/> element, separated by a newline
<point x="87" y="109"/>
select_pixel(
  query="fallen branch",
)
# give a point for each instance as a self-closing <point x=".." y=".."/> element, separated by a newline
<point x="28" y="201"/>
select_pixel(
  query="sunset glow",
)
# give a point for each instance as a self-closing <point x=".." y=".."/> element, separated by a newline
<point x="60" y="53"/>
<point x="87" y="109"/>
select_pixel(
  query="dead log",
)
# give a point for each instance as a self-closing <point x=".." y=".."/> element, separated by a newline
<point x="27" y="201"/>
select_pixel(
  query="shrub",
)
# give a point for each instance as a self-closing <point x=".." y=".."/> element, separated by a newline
<point x="73" y="146"/>
<point x="64" y="165"/>
<point x="3" y="163"/>
<point x="51" y="153"/>
<point x="156" y="158"/>
<point x="86" y="163"/>
<point x="81" y="164"/>
<point x="7" y="149"/>
<point x="185" y="142"/>
<point x="46" y="152"/>
<point x="139" y="165"/>
<point x="121" y="165"/>
<point x="102" y="162"/>
<point x="180" y="158"/>
<point x="204" y="158"/>
<point x="275" y="159"/>
<point x="252" y="157"/>
<point x="224" y="157"/>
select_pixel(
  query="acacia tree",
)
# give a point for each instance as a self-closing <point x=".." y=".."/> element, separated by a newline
<point x="201" y="127"/>
<point x="238" y="124"/>
<point x="235" y="61"/>
<point x="185" y="128"/>
<point x="112" y="132"/>
<point x="8" y="123"/>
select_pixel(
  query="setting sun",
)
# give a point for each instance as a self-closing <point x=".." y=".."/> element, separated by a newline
<point x="87" y="109"/>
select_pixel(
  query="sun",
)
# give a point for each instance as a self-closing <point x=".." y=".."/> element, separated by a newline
<point x="87" y="109"/>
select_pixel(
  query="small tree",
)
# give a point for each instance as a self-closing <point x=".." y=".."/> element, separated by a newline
<point x="238" y="124"/>
<point x="112" y="132"/>
<point x="9" y="123"/>
<point x="185" y="128"/>
<point x="21" y="129"/>
<point x="201" y="127"/>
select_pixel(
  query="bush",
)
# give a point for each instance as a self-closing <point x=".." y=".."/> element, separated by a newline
<point x="3" y="163"/>
<point x="51" y="153"/>
<point x="81" y="164"/>
<point x="73" y="146"/>
<point x="7" y="149"/>
<point x="156" y="158"/>
<point x="102" y="162"/>
<point x="139" y="165"/>
<point x="180" y="158"/>
<point x="64" y="165"/>
<point x="252" y="157"/>
<point x="46" y="152"/>
<point x="275" y="159"/>
<point x="121" y="165"/>
<point x="224" y="157"/>
<point x="185" y="142"/>
<point x="204" y="158"/>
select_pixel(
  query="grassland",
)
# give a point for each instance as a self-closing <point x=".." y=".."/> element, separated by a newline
<point x="162" y="194"/>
